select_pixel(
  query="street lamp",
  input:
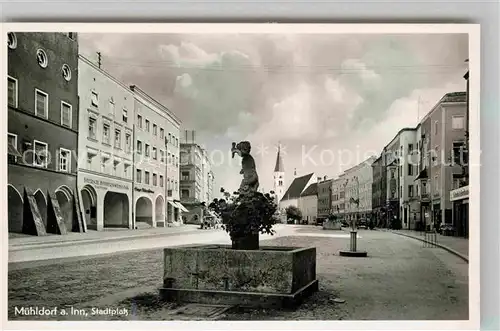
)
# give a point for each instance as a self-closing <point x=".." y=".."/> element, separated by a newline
<point x="353" y="252"/>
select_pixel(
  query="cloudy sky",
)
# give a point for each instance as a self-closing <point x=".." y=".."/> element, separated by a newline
<point x="320" y="96"/>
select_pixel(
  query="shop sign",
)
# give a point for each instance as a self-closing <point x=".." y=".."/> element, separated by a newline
<point x="101" y="184"/>
<point x="459" y="193"/>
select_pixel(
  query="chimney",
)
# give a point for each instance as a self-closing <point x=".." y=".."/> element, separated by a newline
<point x="325" y="177"/>
<point x="295" y="173"/>
<point x="319" y="179"/>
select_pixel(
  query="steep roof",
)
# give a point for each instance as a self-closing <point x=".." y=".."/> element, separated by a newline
<point x="310" y="190"/>
<point x="297" y="187"/>
<point x="279" y="163"/>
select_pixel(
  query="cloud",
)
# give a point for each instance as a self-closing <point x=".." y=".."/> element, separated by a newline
<point x="335" y="91"/>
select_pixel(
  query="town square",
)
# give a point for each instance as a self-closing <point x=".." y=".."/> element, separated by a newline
<point x="238" y="176"/>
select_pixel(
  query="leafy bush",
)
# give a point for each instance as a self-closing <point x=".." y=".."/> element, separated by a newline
<point x="293" y="213"/>
<point x="246" y="214"/>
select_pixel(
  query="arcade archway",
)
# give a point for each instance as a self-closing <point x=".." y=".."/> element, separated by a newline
<point x="143" y="212"/>
<point x="64" y="197"/>
<point x="116" y="210"/>
<point x="89" y="201"/>
<point x="160" y="210"/>
<point x="15" y="208"/>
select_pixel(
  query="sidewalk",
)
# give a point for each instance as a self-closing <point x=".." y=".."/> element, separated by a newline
<point x="452" y="244"/>
<point x="24" y="242"/>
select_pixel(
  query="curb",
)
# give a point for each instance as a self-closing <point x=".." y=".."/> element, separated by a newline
<point x="41" y="245"/>
<point x="446" y="248"/>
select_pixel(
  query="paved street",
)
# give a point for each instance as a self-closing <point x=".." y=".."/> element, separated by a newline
<point x="459" y="244"/>
<point x="106" y="243"/>
<point x="400" y="279"/>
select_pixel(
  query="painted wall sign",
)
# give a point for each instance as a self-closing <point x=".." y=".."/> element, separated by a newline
<point x="459" y="193"/>
<point x="105" y="184"/>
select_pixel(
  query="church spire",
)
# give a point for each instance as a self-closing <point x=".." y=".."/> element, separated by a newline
<point x="279" y="162"/>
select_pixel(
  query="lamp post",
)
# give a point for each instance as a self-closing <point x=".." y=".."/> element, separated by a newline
<point x="353" y="252"/>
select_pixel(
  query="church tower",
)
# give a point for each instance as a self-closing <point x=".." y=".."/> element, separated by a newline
<point x="279" y="176"/>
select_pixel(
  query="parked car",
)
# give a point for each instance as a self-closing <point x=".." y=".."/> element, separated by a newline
<point x="319" y="221"/>
<point x="362" y="224"/>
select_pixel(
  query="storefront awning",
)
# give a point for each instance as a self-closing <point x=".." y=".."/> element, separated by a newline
<point x="181" y="207"/>
<point x="172" y="204"/>
<point x="13" y="151"/>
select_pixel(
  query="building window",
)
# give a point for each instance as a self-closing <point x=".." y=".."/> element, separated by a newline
<point x="162" y="156"/>
<point x="410" y="191"/>
<point x="138" y="175"/>
<point x="169" y="158"/>
<point x="125" y="115"/>
<point x="161" y="181"/>
<point x="125" y="169"/>
<point x="185" y="194"/>
<point x="147" y="125"/>
<point x="185" y="175"/>
<point x="105" y="133"/>
<point x="146" y="150"/>
<point x="92" y="128"/>
<point x="118" y="138"/>
<point x="41" y="153"/>
<point x="11" y="40"/>
<point x="410" y="148"/>
<point x="458" y="122"/>
<point x="139" y="147"/>
<point x="128" y="144"/>
<point x="155" y="156"/>
<point x="41" y="103"/>
<point x="424" y="187"/>
<point x="41" y="58"/>
<point x="155" y="180"/>
<point x="139" y="121"/>
<point x="458" y="153"/>
<point x="12" y="94"/>
<point x="436" y="184"/>
<point x="410" y="169"/>
<point x="66" y="72"/>
<point x="162" y="133"/>
<point x="12" y="144"/>
<point x="169" y="138"/>
<point x="66" y="112"/>
<point x="94" y="100"/>
<point x="155" y="129"/>
<point x="436" y="124"/>
<point x="146" y="177"/>
<point x="64" y="160"/>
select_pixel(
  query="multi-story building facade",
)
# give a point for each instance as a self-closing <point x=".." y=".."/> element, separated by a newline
<point x="358" y="190"/>
<point x="459" y="196"/>
<point x="175" y="209"/>
<point x="155" y="162"/>
<point x="196" y="178"/>
<point x="422" y="179"/>
<point x="338" y="196"/>
<point x="324" y="197"/>
<point x="106" y="131"/>
<point x="42" y="96"/>
<point x="446" y="141"/>
<point x="391" y="162"/>
<point x="379" y="194"/>
<point x="308" y="204"/>
<point x="408" y="163"/>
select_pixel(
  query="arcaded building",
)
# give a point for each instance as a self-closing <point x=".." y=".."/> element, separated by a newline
<point x="43" y="108"/>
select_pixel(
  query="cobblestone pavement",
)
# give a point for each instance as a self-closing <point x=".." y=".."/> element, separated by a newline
<point x="399" y="280"/>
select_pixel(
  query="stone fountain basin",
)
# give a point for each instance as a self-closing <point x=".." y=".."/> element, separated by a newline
<point x="216" y="274"/>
